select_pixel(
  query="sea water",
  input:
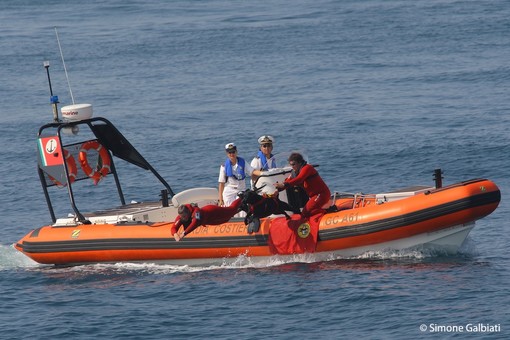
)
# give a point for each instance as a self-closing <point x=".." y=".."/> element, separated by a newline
<point x="378" y="93"/>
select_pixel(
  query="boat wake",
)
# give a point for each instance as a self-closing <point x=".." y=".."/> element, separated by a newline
<point x="468" y="249"/>
<point x="11" y="259"/>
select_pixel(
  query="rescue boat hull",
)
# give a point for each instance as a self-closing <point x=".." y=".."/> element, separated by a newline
<point x="351" y="225"/>
<point x="440" y="218"/>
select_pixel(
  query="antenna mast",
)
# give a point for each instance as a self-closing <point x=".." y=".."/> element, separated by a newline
<point x="64" y="63"/>
<point x="53" y="99"/>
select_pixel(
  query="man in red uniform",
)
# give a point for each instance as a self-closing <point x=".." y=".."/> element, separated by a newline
<point x="307" y="177"/>
<point x="191" y="217"/>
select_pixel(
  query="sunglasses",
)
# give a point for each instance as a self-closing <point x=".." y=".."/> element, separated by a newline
<point x="232" y="151"/>
<point x="267" y="145"/>
<point x="292" y="163"/>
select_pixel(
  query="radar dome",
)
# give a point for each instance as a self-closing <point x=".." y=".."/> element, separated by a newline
<point x="76" y="112"/>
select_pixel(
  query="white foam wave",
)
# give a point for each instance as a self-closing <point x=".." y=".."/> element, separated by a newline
<point x="10" y="258"/>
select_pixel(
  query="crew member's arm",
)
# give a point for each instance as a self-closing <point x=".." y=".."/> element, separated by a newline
<point x="249" y="170"/>
<point x="177" y="224"/>
<point x="305" y="172"/>
<point x="175" y="228"/>
<point x="222" y="179"/>
<point x="221" y="187"/>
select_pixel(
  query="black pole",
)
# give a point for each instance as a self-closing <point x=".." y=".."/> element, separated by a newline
<point x="53" y="99"/>
<point x="164" y="197"/>
<point x="438" y="178"/>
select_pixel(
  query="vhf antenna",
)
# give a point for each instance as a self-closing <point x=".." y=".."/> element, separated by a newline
<point x="54" y="99"/>
<point x="64" y="63"/>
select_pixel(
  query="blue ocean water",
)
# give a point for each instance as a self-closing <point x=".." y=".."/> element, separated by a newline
<point x="379" y="93"/>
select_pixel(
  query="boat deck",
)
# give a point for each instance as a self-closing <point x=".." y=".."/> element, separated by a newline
<point x="128" y="209"/>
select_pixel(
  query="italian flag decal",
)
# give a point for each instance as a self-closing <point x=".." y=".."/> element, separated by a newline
<point x="50" y="151"/>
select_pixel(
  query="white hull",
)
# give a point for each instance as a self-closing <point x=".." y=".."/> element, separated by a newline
<point x="447" y="241"/>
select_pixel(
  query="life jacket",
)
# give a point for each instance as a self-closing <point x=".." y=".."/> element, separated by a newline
<point x="263" y="160"/>
<point x="239" y="175"/>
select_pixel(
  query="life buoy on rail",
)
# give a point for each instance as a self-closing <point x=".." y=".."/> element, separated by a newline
<point x="102" y="167"/>
<point x="71" y="169"/>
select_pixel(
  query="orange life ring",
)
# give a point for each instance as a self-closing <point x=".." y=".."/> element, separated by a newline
<point x="71" y="169"/>
<point x="98" y="173"/>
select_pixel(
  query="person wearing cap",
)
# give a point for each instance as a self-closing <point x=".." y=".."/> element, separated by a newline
<point x="265" y="159"/>
<point x="232" y="176"/>
<point x="305" y="175"/>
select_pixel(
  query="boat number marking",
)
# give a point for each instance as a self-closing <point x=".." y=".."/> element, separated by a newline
<point x="347" y="218"/>
<point x="482" y="189"/>
<point x="75" y="233"/>
<point x="303" y="230"/>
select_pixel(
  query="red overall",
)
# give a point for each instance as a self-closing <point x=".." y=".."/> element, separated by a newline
<point x="317" y="190"/>
<point x="209" y="214"/>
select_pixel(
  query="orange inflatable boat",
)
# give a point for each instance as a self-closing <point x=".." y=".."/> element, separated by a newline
<point x="81" y="154"/>
<point x="418" y="216"/>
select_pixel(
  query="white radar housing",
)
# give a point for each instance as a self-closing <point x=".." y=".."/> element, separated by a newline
<point x="76" y="112"/>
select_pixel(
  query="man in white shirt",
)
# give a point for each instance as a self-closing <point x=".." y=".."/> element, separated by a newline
<point x="232" y="176"/>
<point x="265" y="159"/>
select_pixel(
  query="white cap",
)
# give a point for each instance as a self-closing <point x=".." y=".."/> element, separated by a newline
<point x="266" y="139"/>
<point x="230" y="146"/>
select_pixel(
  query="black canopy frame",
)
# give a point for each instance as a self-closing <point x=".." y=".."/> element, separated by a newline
<point x="116" y="144"/>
